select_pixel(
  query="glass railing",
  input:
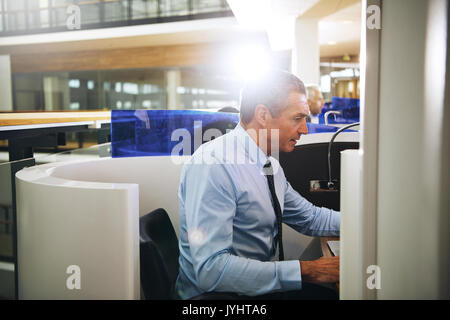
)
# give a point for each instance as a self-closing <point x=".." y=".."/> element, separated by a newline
<point x="32" y="16"/>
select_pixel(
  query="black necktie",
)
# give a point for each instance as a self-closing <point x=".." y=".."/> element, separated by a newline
<point x="276" y="205"/>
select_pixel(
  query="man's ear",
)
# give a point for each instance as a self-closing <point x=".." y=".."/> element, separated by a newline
<point x="262" y="115"/>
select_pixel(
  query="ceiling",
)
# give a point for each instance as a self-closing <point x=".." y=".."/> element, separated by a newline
<point x="340" y="32"/>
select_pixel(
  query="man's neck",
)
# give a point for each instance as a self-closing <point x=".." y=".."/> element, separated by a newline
<point x="254" y="132"/>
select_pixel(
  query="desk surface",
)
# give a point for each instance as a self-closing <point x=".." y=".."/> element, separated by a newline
<point x="325" y="249"/>
<point x="43" y="118"/>
<point x="326" y="252"/>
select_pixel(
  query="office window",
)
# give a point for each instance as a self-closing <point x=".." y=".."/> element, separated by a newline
<point x="135" y="87"/>
<point x="44" y="18"/>
<point x="142" y="9"/>
<point x="128" y="104"/>
<point x="26" y="16"/>
<point x="15" y="5"/>
<point x="89" y="12"/>
<point x="174" y="8"/>
<point x="16" y="14"/>
<point x="115" y="10"/>
<point x="74" y="106"/>
<point x="90" y="85"/>
<point x="131" y="88"/>
<point x="147" y="104"/>
<point x="74" y="83"/>
<point x="28" y="92"/>
<point x="203" y="88"/>
<point x="201" y="6"/>
<point x="200" y="88"/>
<point x="43" y="3"/>
<point x="59" y="17"/>
<point x="34" y="19"/>
<point x="339" y="79"/>
<point x="61" y="3"/>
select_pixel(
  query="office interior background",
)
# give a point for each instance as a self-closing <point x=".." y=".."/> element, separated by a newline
<point x="196" y="55"/>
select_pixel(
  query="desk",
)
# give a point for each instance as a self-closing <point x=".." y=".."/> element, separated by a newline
<point x="32" y="120"/>
<point x="25" y="130"/>
<point x="326" y="252"/>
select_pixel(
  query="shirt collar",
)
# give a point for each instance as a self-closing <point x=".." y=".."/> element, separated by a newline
<point x="252" y="150"/>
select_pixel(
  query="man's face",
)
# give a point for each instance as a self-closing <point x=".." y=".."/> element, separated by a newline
<point x="291" y="123"/>
<point x="316" y="103"/>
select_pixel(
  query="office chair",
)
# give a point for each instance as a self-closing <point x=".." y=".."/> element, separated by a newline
<point x="159" y="256"/>
<point x="159" y="259"/>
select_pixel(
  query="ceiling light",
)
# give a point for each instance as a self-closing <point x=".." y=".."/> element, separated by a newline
<point x="251" y="62"/>
<point x="280" y="32"/>
<point x="251" y="13"/>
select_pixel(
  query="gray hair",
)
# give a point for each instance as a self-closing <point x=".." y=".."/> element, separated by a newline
<point x="313" y="91"/>
<point x="272" y="91"/>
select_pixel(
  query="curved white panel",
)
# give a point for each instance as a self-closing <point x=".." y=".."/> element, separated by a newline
<point x="87" y="214"/>
<point x="325" y="137"/>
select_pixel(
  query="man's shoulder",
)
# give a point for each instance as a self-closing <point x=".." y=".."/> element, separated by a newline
<point x="216" y="150"/>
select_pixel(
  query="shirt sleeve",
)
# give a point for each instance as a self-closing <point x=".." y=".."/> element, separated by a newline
<point x="308" y="219"/>
<point x="210" y="206"/>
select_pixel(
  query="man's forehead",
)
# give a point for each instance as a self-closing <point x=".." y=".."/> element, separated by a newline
<point x="296" y="96"/>
<point x="303" y="97"/>
<point x="298" y="103"/>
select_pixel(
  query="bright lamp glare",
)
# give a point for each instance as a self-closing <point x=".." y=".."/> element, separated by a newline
<point x="281" y="33"/>
<point x="251" y="13"/>
<point x="251" y="63"/>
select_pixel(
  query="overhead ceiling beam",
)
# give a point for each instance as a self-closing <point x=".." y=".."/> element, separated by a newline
<point x="324" y="8"/>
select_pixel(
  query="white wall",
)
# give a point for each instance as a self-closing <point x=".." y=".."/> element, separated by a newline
<point x="409" y="228"/>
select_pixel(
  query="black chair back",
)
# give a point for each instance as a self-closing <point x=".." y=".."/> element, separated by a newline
<point x="159" y="255"/>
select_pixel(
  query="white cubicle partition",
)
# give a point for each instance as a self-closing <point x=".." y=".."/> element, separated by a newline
<point x="85" y="214"/>
<point x="351" y="266"/>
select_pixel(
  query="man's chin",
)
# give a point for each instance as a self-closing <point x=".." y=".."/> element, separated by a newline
<point x="289" y="148"/>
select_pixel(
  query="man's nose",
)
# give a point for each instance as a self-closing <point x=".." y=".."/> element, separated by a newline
<point x="303" y="128"/>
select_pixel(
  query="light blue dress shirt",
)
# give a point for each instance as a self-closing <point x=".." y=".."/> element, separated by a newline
<point x="228" y="224"/>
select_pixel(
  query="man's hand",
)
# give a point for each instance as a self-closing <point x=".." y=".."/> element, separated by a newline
<point x="323" y="270"/>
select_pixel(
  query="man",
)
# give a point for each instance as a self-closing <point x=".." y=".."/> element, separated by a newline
<point x="230" y="193"/>
<point x="315" y="102"/>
